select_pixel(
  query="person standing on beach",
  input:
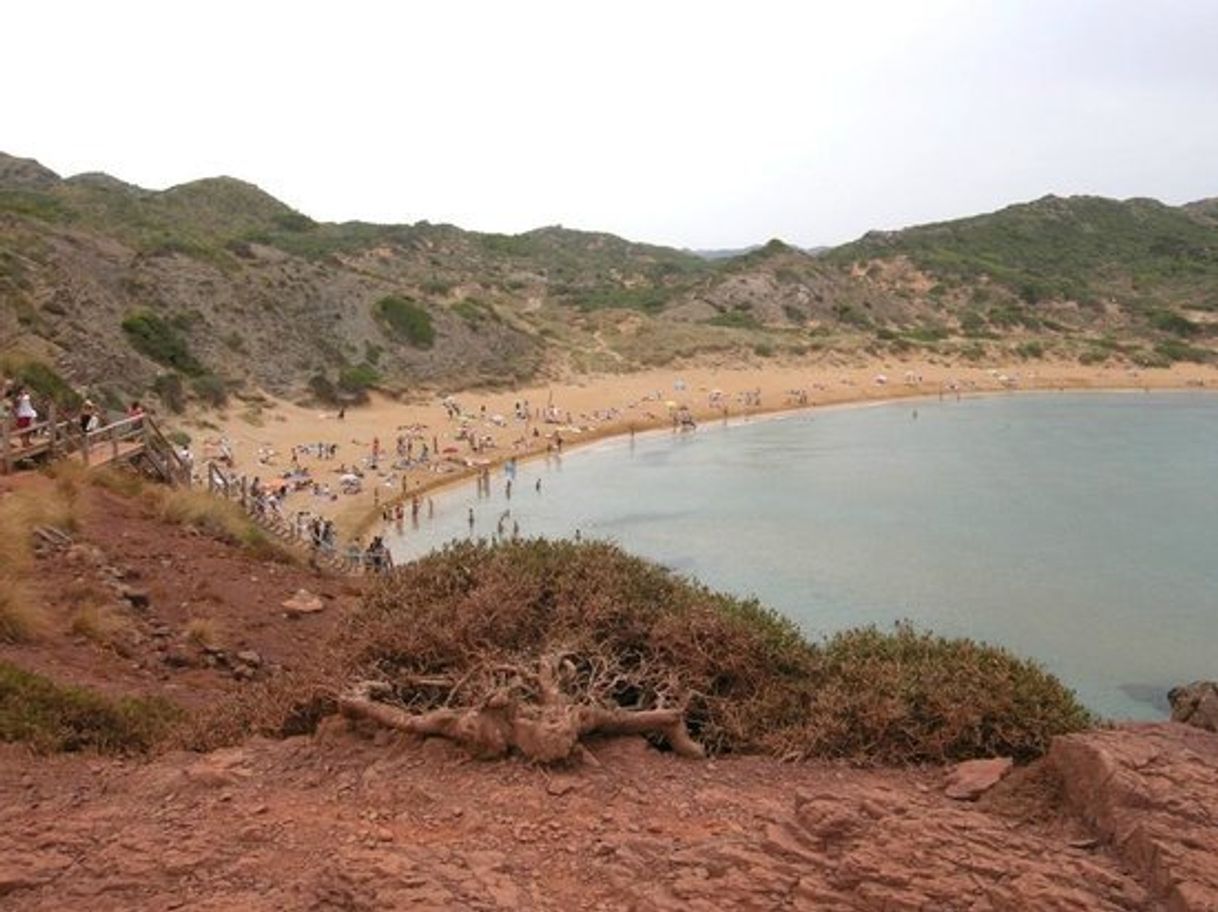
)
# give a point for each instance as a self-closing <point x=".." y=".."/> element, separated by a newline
<point x="471" y="520"/>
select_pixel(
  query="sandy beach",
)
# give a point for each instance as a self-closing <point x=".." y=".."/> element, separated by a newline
<point x="261" y="437"/>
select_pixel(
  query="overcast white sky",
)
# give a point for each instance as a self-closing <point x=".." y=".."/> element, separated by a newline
<point x="698" y="124"/>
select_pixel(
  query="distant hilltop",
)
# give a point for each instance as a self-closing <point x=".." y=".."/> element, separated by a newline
<point x="215" y="288"/>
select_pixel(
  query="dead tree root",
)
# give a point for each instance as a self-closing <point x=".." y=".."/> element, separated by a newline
<point x="548" y="732"/>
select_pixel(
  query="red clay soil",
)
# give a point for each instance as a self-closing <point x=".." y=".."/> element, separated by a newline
<point x="350" y="819"/>
<point x="343" y="822"/>
<point x="186" y="576"/>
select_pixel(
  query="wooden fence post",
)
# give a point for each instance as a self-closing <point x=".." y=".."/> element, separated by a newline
<point x="5" y="440"/>
<point x="51" y="420"/>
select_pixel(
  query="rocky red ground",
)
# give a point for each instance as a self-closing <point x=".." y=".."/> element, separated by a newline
<point x="1123" y="819"/>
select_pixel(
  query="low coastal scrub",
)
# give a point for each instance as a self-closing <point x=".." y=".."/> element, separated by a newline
<point x="160" y="340"/>
<point x="477" y="626"/>
<point x="53" y="717"/>
<point x="407" y="320"/>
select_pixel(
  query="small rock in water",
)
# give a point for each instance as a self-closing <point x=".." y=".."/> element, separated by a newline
<point x="969" y="780"/>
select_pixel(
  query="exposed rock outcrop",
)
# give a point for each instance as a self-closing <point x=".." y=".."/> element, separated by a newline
<point x="1151" y="793"/>
<point x="339" y="822"/>
<point x="1196" y="704"/>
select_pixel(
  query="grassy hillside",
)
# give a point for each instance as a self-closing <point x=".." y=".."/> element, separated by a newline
<point x="214" y="287"/>
<point x="1086" y="249"/>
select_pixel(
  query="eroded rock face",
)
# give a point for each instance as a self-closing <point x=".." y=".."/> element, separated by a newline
<point x="1151" y="793"/>
<point x="1196" y="704"/>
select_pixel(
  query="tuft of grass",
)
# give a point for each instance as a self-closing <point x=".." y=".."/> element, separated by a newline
<point x="203" y="631"/>
<point x="102" y="624"/>
<point x="121" y="482"/>
<point x="218" y="518"/>
<point x="54" y="717"/>
<point x="56" y="504"/>
<point x="21" y="512"/>
<point x="21" y="619"/>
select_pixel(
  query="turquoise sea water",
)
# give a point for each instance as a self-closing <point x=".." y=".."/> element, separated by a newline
<point x="1077" y="529"/>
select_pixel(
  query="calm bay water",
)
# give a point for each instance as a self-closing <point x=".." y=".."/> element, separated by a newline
<point x="1077" y="529"/>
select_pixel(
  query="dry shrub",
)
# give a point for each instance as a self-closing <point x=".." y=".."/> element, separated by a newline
<point x="21" y="512"/>
<point x="21" y="619"/>
<point x="470" y="621"/>
<point x="101" y="623"/>
<point x="631" y="634"/>
<point x="216" y="517"/>
<point x="117" y="480"/>
<point x="203" y="631"/>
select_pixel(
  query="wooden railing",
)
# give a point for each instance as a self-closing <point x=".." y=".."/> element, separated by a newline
<point x="128" y="438"/>
<point x="240" y="491"/>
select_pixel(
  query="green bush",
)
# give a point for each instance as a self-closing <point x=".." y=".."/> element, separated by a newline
<point x="1173" y="350"/>
<point x="169" y="389"/>
<point x="210" y="389"/>
<point x="1093" y="356"/>
<point x="926" y="334"/>
<point x="157" y="339"/>
<point x="648" y="299"/>
<point x="407" y="320"/>
<point x="475" y="312"/>
<point x="735" y="319"/>
<point x="1169" y="321"/>
<point x="54" y="717"/>
<point x="358" y="379"/>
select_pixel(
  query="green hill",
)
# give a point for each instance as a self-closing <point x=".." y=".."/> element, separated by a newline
<point x="214" y="287"/>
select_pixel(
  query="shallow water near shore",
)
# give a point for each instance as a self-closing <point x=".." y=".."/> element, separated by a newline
<point x="1078" y="529"/>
